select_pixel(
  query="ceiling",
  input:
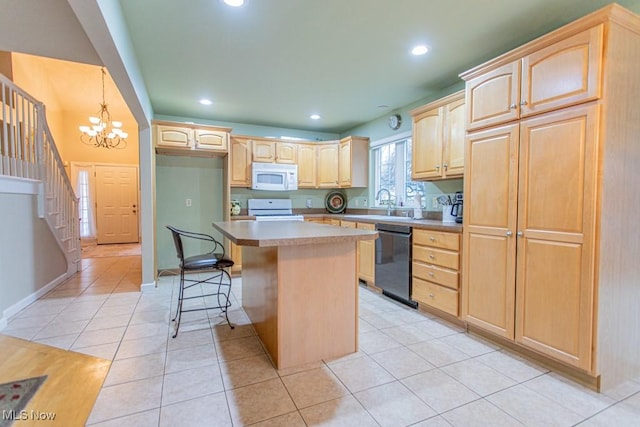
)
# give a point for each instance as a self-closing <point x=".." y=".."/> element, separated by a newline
<point x="276" y="62"/>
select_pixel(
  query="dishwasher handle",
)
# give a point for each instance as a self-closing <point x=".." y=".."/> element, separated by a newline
<point x="394" y="228"/>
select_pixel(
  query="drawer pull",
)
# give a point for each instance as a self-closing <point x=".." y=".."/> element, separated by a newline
<point x="432" y="256"/>
<point x="433" y="239"/>
<point x="431" y="295"/>
<point x="431" y="274"/>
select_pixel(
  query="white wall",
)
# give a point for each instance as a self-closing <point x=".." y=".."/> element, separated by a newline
<point x="30" y="258"/>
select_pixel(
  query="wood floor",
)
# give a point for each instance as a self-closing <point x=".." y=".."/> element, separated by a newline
<point x="73" y="383"/>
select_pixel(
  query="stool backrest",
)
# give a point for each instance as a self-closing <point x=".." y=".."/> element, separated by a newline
<point x="177" y="240"/>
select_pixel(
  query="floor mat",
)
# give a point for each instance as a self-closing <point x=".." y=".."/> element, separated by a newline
<point x="14" y="397"/>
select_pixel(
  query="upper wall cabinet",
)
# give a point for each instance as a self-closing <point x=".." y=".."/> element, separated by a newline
<point x="240" y="162"/>
<point x="328" y="158"/>
<point x="564" y="73"/>
<point x="438" y="139"/>
<point x="329" y="164"/>
<point x="307" y="166"/>
<point x="353" y="164"/>
<point x="270" y="151"/>
<point x="190" y="140"/>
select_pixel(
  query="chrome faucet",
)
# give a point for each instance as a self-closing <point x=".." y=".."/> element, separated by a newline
<point x="388" y="199"/>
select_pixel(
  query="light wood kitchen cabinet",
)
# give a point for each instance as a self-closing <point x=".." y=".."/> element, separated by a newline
<point x="236" y="256"/>
<point x="307" y="171"/>
<point x="438" y="139"/>
<point x="327" y="158"/>
<point x="353" y="163"/>
<point x="435" y="269"/>
<point x="270" y="151"/>
<point x="564" y="73"/>
<point x="545" y="200"/>
<point x="190" y="140"/>
<point x="263" y="151"/>
<point x="240" y="162"/>
<point x="366" y="256"/>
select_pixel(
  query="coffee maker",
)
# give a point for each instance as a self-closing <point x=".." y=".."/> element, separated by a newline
<point x="456" y="207"/>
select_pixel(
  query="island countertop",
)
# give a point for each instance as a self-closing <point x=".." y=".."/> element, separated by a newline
<point x="288" y="233"/>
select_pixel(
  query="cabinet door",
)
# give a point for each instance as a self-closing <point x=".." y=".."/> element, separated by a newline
<point x="426" y="159"/>
<point x="493" y="97"/>
<point x="264" y="151"/>
<point x="327" y="162"/>
<point x="565" y="73"/>
<point x="240" y="162"/>
<point x="173" y="136"/>
<point x="454" y="138"/>
<point x="489" y="242"/>
<point x="344" y="164"/>
<point x="306" y="166"/>
<point x="286" y="152"/>
<point x="211" y="140"/>
<point x="366" y="255"/>
<point x="556" y="219"/>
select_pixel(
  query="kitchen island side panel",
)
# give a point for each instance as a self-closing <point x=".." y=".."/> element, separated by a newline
<point x="260" y="293"/>
<point x="318" y="302"/>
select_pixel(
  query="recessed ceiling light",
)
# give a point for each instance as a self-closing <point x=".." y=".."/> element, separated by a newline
<point x="420" y="50"/>
<point x="314" y="117"/>
<point x="205" y="102"/>
<point x="234" y="3"/>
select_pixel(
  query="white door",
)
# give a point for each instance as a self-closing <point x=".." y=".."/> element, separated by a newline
<point x="117" y="204"/>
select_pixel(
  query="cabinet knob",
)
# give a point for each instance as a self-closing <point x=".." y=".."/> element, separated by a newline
<point x="431" y="295"/>
<point x="513" y="106"/>
<point x="431" y="274"/>
<point x="523" y="102"/>
<point x="509" y="233"/>
<point x="520" y="234"/>
<point x="446" y="166"/>
<point x="431" y="256"/>
<point x="433" y="239"/>
<point x="437" y="167"/>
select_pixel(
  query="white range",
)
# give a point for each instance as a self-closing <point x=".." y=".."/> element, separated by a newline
<point x="272" y="210"/>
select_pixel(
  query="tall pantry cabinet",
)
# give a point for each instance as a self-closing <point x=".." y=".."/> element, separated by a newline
<point x="550" y="241"/>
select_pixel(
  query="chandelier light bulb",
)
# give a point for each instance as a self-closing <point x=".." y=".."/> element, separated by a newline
<point x="97" y="135"/>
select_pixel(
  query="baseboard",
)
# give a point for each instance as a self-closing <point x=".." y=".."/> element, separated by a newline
<point x="145" y="287"/>
<point x="24" y="302"/>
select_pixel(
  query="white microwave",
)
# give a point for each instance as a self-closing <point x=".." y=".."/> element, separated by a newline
<point x="274" y="177"/>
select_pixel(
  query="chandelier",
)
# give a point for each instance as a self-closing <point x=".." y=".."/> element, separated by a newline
<point x="97" y="134"/>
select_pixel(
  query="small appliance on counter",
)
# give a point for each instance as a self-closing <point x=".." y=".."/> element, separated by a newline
<point x="456" y="207"/>
<point x="272" y="210"/>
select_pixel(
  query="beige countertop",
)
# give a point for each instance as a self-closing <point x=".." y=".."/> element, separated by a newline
<point x="426" y="224"/>
<point x="286" y="233"/>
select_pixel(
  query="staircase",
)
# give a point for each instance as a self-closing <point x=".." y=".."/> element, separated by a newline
<point x="27" y="151"/>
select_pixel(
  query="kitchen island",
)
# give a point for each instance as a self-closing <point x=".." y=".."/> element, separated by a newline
<point x="299" y="287"/>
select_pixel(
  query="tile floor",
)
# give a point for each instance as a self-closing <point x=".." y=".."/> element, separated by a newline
<point x="411" y="369"/>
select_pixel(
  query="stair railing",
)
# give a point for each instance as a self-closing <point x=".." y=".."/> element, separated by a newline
<point x="27" y="150"/>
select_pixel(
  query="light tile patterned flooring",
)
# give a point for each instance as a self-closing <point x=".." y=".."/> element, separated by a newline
<point x="411" y="369"/>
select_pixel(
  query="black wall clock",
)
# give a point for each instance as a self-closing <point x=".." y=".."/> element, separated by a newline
<point x="395" y="121"/>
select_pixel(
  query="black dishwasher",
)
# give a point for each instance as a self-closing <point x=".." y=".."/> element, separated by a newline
<point x="393" y="262"/>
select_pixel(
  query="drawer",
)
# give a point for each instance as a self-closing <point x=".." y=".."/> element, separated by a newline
<point x="437" y="239"/>
<point x="433" y="273"/>
<point x="439" y="257"/>
<point x="435" y="296"/>
<point x="365" y="226"/>
<point x="347" y="224"/>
